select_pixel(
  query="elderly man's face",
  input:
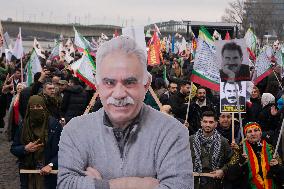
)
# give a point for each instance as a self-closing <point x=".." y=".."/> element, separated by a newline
<point x="121" y="86"/>
<point x="230" y="93"/>
<point x="253" y="134"/>
<point x="232" y="60"/>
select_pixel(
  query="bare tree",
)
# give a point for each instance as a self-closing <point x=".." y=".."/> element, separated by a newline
<point x="250" y="13"/>
<point x="258" y="13"/>
<point x="235" y="12"/>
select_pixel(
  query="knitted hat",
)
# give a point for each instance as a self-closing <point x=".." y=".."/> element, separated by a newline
<point x="251" y="125"/>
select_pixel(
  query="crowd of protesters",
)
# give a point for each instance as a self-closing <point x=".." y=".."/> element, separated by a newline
<point x="37" y="114"/>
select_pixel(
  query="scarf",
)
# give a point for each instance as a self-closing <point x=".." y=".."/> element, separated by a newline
<point x="256" y="181"/>
<point x="212" y="143"/>
<point x="35" y="127"/>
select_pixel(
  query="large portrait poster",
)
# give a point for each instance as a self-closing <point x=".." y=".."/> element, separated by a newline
<point x="233" y="57"/>
<point x="228" y="97"/>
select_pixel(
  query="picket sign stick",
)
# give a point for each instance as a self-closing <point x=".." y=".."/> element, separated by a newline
<point x="155" y="97"/>
<point x="188" y="103"/>
<point x="278" y="140"/>
<point x="92" y="102"/>
<point x="26" y="171"/>
<point x="240" y="118"/>
<point x="233" y="128"/>
<point x="278" y="80"/>
<point x="195" y="174"/>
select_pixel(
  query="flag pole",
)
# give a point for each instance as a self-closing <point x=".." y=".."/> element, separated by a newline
<point x="92" y="102"/>
<point x="22" y="73"/>
<point x="155" y="97"/>
<point x="278" y="140"/>
<point x="188" y="103"/>
<point x="280" y="85"/>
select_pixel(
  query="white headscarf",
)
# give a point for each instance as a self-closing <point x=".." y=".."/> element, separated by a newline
<point x="267" y="98"/>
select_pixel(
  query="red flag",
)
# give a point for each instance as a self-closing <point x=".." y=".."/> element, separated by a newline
<point x="227" y="37"/>
<point x="154" y="50"/>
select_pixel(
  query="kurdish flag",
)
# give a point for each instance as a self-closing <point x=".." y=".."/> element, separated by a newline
<point x="55" y="51"/>
<point x="251" y="39"/>
<point x="33" y="66"/>
<point x="206" y="70"/>
<point x="81" y="41"/>
<point x="263" y="64"/>
<point x="87" y="69"/>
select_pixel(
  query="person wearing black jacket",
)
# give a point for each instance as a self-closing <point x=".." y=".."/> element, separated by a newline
<point x="200" y="103"/>
<point x="36" y="145"/>
<point x="178" y="101"/>
<point x="253" y="107"/>
<point x="75" y="100"/>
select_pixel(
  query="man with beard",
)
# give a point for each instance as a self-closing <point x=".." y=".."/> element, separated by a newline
<point x="125" y="144"/>
<point x="172" y="89"/>
<point x="199" y="105"/>
<point x="178" y="101"/>
<point x="230" y="101"/>
<point x="51" y="101"/>
<point x="232" y="67"/>
<point x="210" y="153"/>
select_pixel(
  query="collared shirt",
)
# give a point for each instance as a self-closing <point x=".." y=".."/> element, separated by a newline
<point x="122" y="134"/>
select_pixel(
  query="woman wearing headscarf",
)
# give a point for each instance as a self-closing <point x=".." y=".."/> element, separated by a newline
<point x="269" y="118"/>
<point x="36" y="145"/>
<point x="14" y="116"/>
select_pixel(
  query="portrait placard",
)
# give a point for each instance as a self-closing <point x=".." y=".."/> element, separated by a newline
<point x="228" y="97"/>
<point x="232" y="56"/>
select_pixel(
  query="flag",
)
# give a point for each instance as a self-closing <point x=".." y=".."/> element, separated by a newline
<point x="104" y="37"/>
<point x="87" y="69"/>
<point x="33" y="66"/>
<point x="1" y="36"/>
<point x="165" y="74"/>
<point x="39" y="51"/>
<point x="263" y="64"/>
<point x="193" y="46"/>
<point x="227" y="37"/>
<point x="216" y="35"/>
<point x="157" y="29"/>
<point x="81" y="41"/>
<point x="8" y="54"/>
<point x="148" y="33"/>
<point x="154" y="50"/>
<point x="251" y="39"/>
<point x="205" y="36"/>
<point x="205" y="70"/>
<point x="173" y="44"/>
<point x="182" y="47"/>
<point x="18" y="50"/>
<point x="55" y="51"/>
<point x="69" y="50"/>
<point x="7" y="41"/>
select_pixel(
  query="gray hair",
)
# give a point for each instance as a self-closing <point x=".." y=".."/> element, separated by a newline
<point x="124" y="44"/>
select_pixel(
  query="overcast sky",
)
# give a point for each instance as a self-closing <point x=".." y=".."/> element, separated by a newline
<point x="117" y="12"/>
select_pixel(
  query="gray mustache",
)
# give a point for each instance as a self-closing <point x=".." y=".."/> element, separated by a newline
<point x="120" y="102"/>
